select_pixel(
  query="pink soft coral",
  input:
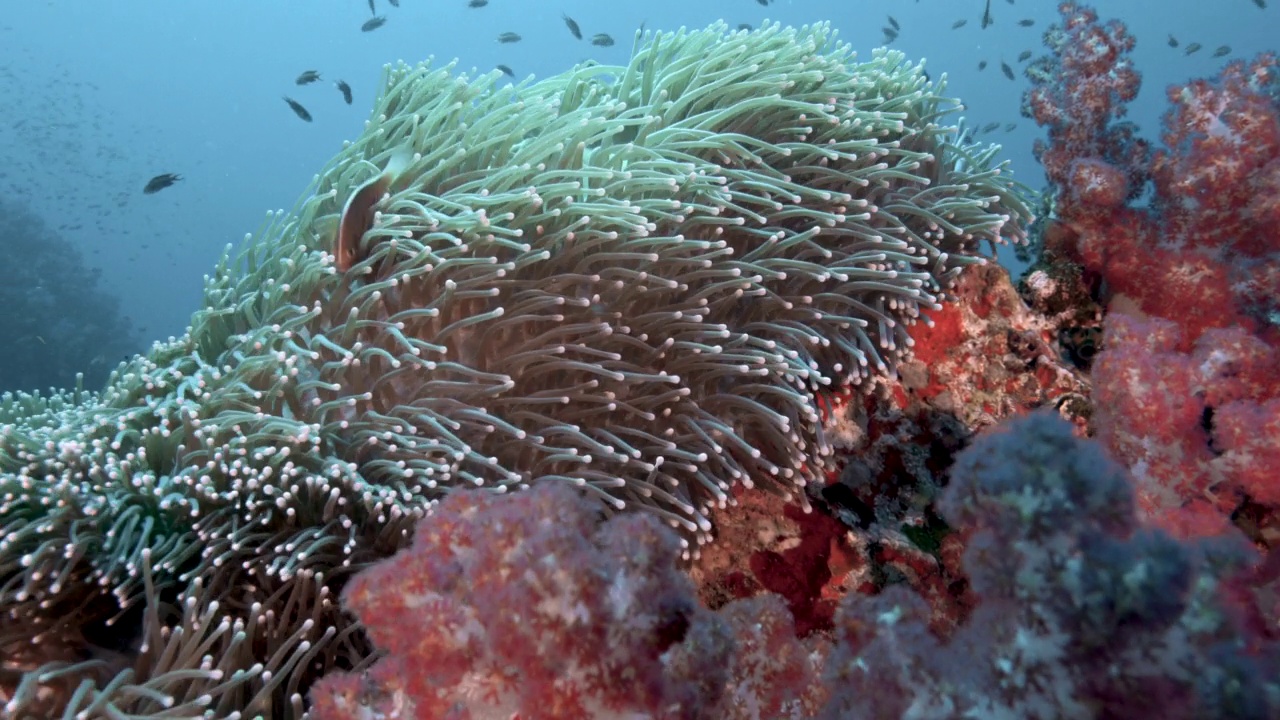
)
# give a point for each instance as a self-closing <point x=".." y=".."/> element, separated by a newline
<point x="1200" y="430"/>
<point x="528" y="607"/>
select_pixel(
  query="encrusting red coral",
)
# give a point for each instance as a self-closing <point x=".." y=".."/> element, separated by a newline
<point x="986" y="358"/>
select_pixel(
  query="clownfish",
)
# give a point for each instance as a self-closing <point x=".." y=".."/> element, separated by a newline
<point x="358" y="212"/>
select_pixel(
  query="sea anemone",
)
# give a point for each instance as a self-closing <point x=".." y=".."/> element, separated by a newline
<point x="634" y="280"/>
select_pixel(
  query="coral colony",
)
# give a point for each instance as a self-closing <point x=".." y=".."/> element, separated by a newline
<point x="656" y="392"/>
<point x="1188" y="392"/>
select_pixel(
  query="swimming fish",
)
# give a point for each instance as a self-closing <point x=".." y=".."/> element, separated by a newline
<point x="602" y="40"/>
<point x="373" y="23"/>
<point x="572" y="25"/>
<point x="298" y="109"/>
<point x="1008" y="71"/>
<point x="506" y="71"/>
<point x="358" y="212"/>
<point x="160" y="182"/>
<point x="986" y="16"/>
<point x="477" y="3"/>
<point x="509" y="37"/>
<point x="308" y="77"/>
<point x="345" y="89"/>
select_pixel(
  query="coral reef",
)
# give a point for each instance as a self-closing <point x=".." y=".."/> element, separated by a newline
<point x="526" y="606"/>
<point x="59" y="327"/>
<point x="1188" y="385"/>
<point x="986" y="358"/>
<point x="1080" y="612"/>
<point x="666" y="287"/>
<point x="644" y="281"/>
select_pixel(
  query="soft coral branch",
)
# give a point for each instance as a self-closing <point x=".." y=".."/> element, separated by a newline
<point x="1186" y="388"/>
<point x="529" y="607"/>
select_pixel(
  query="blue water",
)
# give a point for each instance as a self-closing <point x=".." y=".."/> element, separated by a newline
<point x="97" y="97"/>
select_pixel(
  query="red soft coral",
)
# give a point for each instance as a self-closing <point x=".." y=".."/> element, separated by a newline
<point x="530" y="607"/>
<point x="1198" y="429"/>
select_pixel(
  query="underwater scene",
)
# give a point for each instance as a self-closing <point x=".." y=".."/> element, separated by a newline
<point x="728" y="359"/>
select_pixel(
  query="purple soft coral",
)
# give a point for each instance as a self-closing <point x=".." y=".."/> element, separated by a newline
<point x="1081" y="614"/>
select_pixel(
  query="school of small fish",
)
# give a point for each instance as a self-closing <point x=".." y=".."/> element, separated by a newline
<point x="892" y="30"/>
<point x="79" y="140"/>
<point x="360" y="208"/>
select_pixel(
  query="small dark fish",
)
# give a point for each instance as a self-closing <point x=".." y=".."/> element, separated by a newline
<point x="763" y="2"/>
<point x="358" y="213"/>
<point x="894" y="23"/>
<point x="1008" y="71"/>
<point x="372" y="9"/>
<point x="1222" y="50"/>
<point x="1026" y="23"/>
<point x="1193" y="47"/>
<point x="373" y="23"/>
<point x="394" y="3"/>
<point x="1173" y="41"/>
<point x="746" y="27"/>
<point x="889" y="34"/>
<point x="602" y="40"/>
<point x="1010" y="127"/>
<point x="298" y="109"/>
<point x="989" y="127"/>
<point x="345" y="89"/>
<point x="986" y="16"/>
<point x="160" y="182"/>
<point x="309" y="76"/>
<point x="959" y="23"/>
<point x="1024" y="56"/>
<point x="1261" y="3"/>
<point x="572" y="25"/>
<point x="982" y="65"/>
<point x="477" y="3"/>
<point x="507" y="71"/>
<point x="509" y="37"/>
